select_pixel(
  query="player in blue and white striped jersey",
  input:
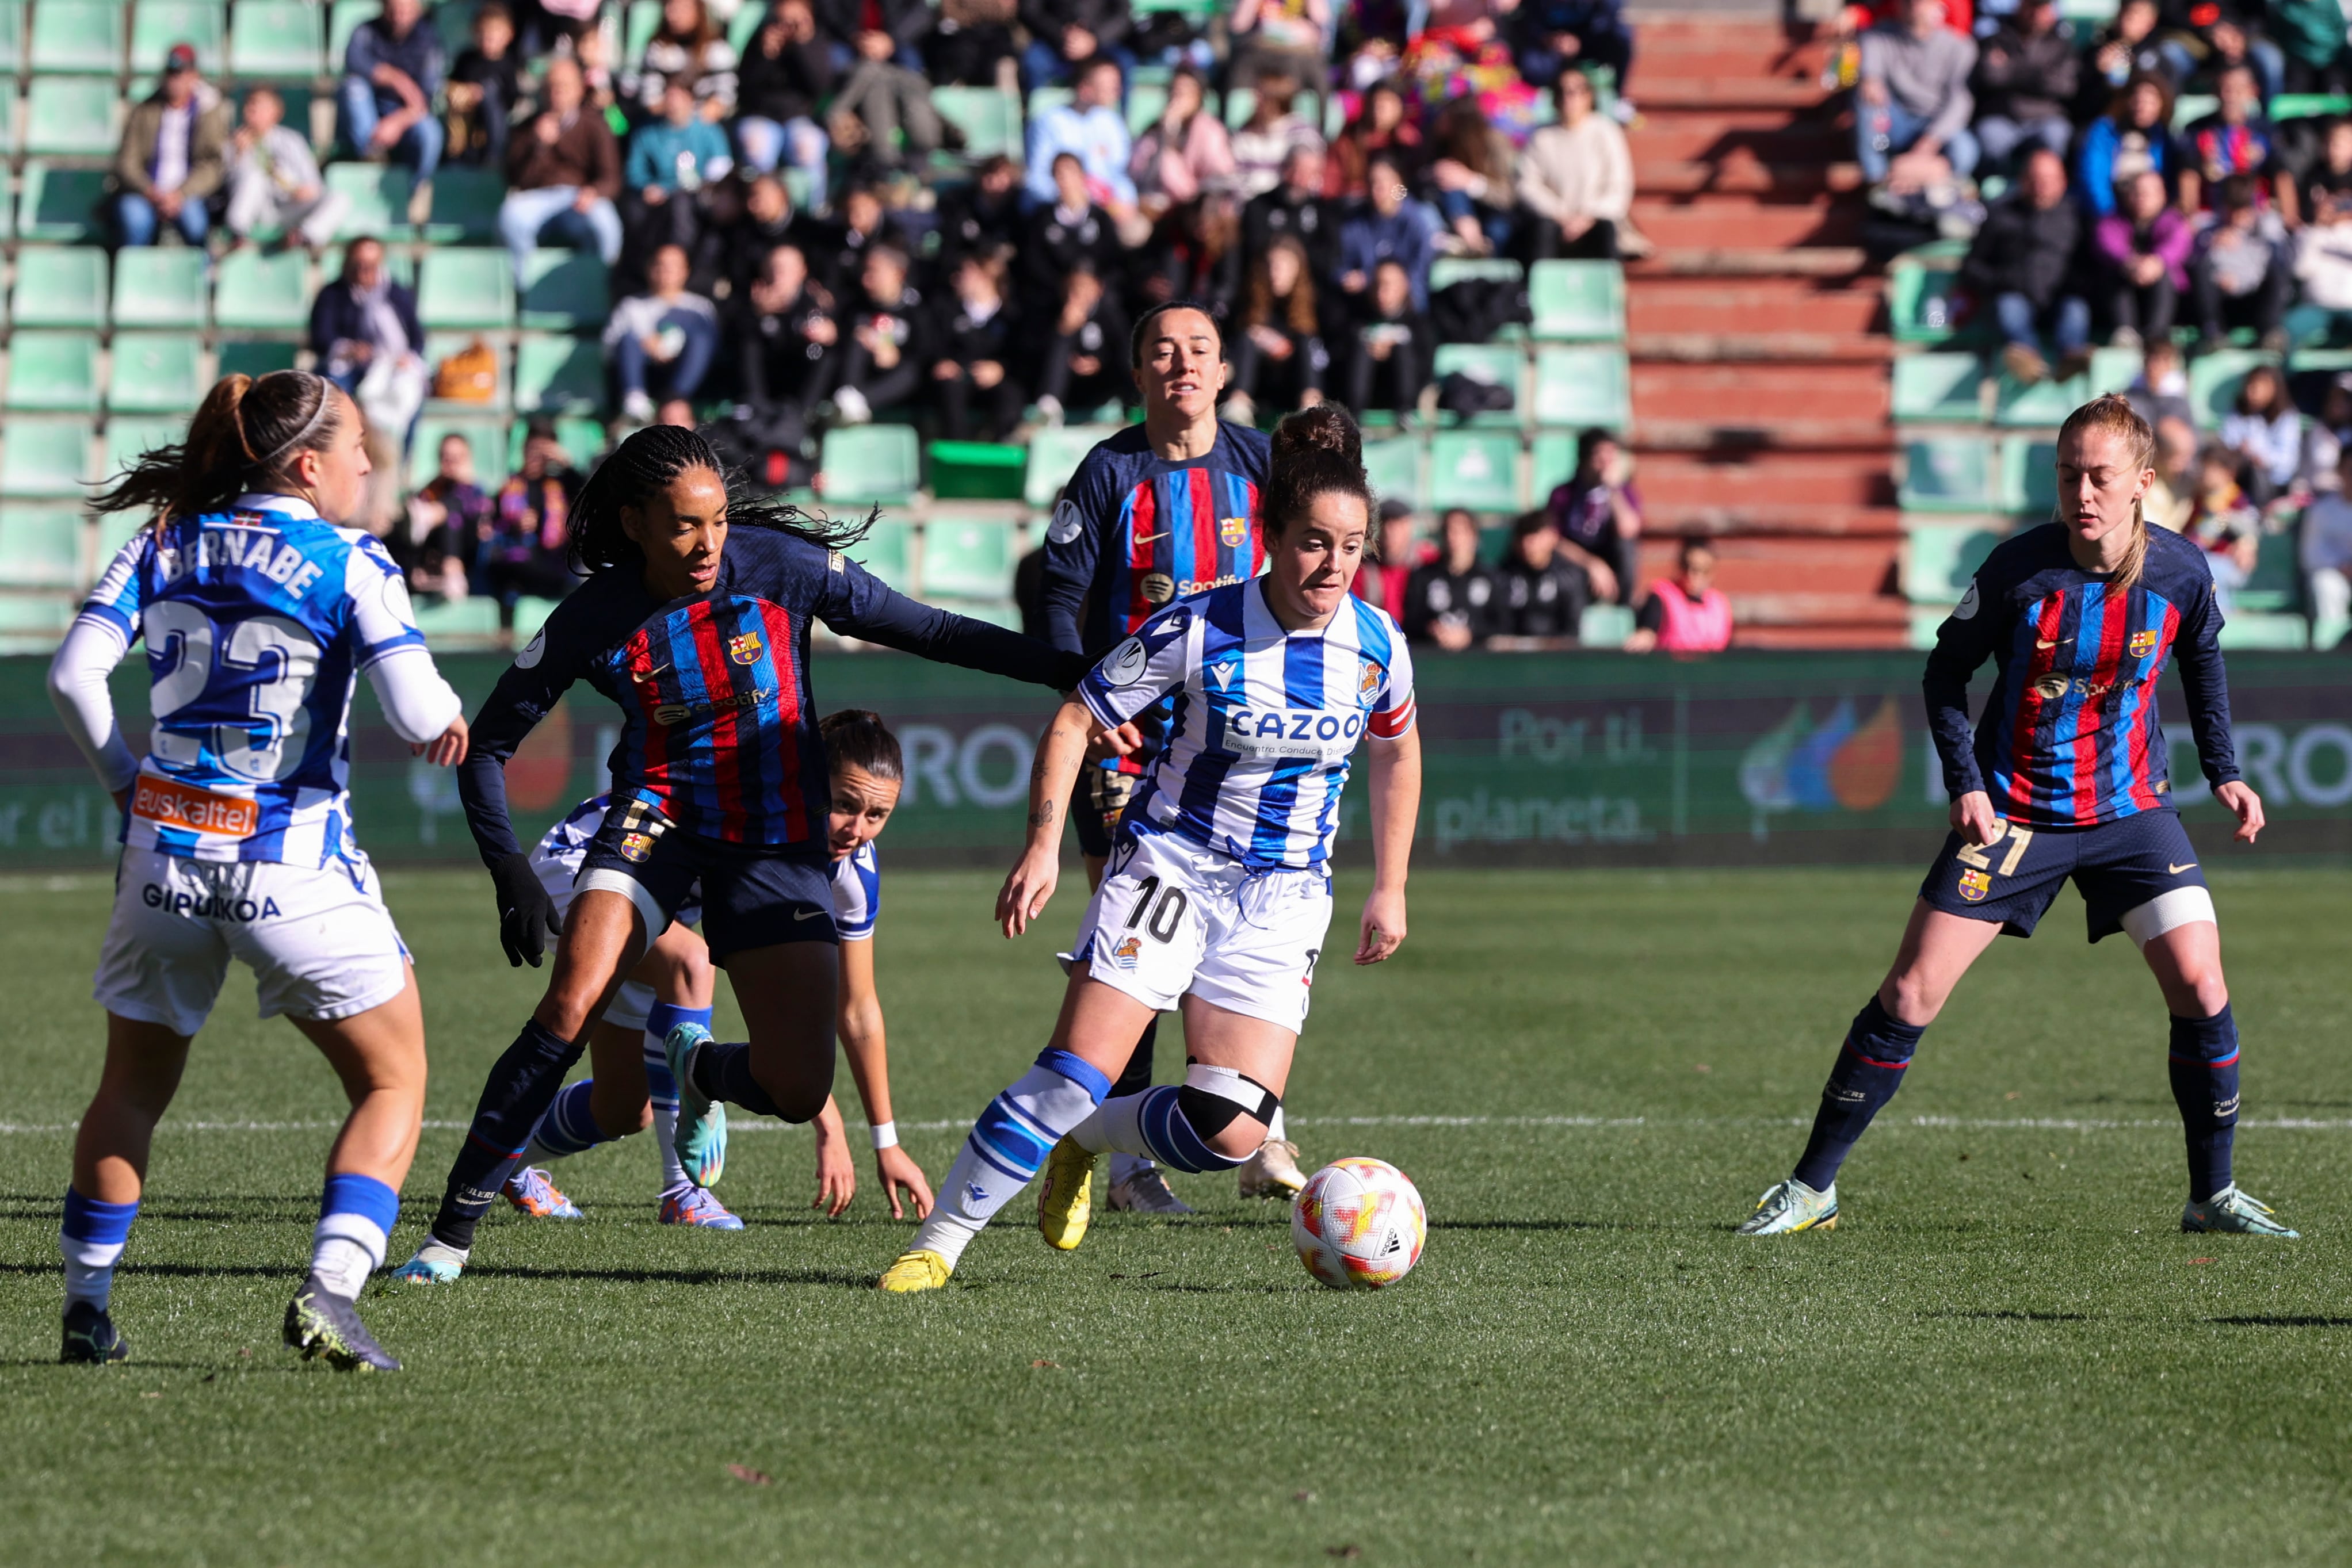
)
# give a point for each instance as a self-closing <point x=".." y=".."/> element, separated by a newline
<point x="1218" y="892"/>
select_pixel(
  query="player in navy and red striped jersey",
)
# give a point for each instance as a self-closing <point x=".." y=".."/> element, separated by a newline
<point x="1161" y="511"/>
<point x="2065" y="777"/>
<point x="695" y="621"/>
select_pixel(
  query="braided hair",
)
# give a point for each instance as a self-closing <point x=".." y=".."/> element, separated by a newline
<point x="646" y="463"/>
<point x="241" y="440"/>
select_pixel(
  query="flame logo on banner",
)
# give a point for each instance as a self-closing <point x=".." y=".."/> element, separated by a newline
<point x="1842" y="764"/>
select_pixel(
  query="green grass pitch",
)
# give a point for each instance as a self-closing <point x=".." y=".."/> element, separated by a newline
<point x="2007" y="1354"/>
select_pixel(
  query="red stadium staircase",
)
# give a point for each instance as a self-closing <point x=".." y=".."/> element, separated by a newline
<point x="1760" y="357"/>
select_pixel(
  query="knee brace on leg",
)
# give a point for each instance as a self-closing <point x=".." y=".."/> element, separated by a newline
<point x="1178" y="1123"/>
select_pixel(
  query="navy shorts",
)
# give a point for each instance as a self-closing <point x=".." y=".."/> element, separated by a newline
<point x="753" y="895"/>
<point x="2118" y="867"/>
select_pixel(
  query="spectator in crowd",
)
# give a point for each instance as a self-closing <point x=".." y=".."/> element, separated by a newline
<point x="764" y="222"/>
<point x="782" y="80"/>
<point x="391" y="73"/>
<point x="1284" y="38"/>
<point x="2023" y="262"/>
<point x="549" y="26"/>
<point x="2325" y="440"/>
<point x="2125" y="47"/>
<point x="1066" y="35"/>
<point x="600" y="85"/>
<point x="169" y="161"/>
<point x="1279" y="358"/>
<point x="1598" y="515"/>
<point x="2310" y="36"/>
<point x="2133" y="137"/>
<point x="1382" y="126"/>
<point x="273" y="180"/>
<point x="1544" y="592"/>
<point x="2217" y="39"/>
<point x="1471" y="173"/>
<point x="2171" y="495"/>
<point x="977" y="343"/>
<point x="1576" y="181"/>
<point x="1272" y="135"/>
<point x="837" y="252"/>
<point x="2143" y="253"/>
<point x="663" y="340"/>
<point x="2160" y="391"/>
<point x="1092" y="127"/>
<point x="485" y="84"/>
<point x="2322" y="263"/>
<point x="448" y="519"/>
<point x="1686" y="613"/>
<point x="2325" y="551"/>
<point x="971" y="43"/>
<point x="1194" y="255"/>
<point x="2264" y="432"/>
<point x="2332" y="172"/>
<point x="1086" y="360"/>
<point x="1456" y="600"/>
<point x="670" y="160"/>
<point x="2226" y="524"/>
<point x="688" y="47"/>
<point x="1548" y="37"/>
<point x="875" y="32"/>
<point x="882" y="113"/>
<point x="2027" y="76"/>
<point x="984" y="214"/>
<point x="1071" y="234"/>
<point x="1184" y="153"/>
<point x="883" y="364"/>
<point x="527" y="552"/>
<point x="563" y="171"/>
<point x="364" y="331"/>
<point x="788" y="344"/>
<point x="2233" y="140"/>
<point x="1387" y="225"/>
<point x="1387" y="573"/>
<point x="1394" y="346"/>
<point x="2238" y="272"/>
<point x="1911" y="122"/>
<point x="1296" y="209"/>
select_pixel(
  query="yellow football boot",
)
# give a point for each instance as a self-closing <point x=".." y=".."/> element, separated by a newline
<point x="1065" y="1203"/>
<point x="920" y="1269"/>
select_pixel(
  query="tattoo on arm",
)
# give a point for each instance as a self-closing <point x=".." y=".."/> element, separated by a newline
<point x="1042" y="817"/>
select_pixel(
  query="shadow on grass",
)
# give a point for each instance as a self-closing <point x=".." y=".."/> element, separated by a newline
<point x="2282" y="1322"/>
<point x="2013" y="1315"/>
<point x="858" y="1280"/>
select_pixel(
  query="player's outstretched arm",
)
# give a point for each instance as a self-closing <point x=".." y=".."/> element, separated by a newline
<point x="836" y="1172"/>
<point x="2244" y="805"/>
<point x="1396" y="807"/>
<point x="1051" y="777"/>
<point x="859" y="1024"/>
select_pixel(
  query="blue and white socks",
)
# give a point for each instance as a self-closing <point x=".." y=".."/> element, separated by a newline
<point x="91" y="1238"/>
<point x="660" y="1019"/>
<point x="1008" y="1146"/>
<point x="355" y="1221"/>
<point x="569" y="1127"/>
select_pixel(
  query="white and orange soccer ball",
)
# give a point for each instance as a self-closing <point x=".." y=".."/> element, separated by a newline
<point x="1359" y="1224"/>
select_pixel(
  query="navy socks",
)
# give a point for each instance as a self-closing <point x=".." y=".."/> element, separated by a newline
<point x="522" y="1085"/>
<point x="1869" y="1071"/>
<point x="2204" y="1063"/>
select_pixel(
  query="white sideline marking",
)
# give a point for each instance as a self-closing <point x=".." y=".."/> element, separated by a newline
<point x="1941" y="1123"/>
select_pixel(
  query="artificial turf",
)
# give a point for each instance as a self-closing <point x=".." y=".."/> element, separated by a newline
<point x="2006" y="1354"/>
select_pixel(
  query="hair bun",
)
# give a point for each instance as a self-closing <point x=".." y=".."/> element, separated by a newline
<point x="1325" y="428"/>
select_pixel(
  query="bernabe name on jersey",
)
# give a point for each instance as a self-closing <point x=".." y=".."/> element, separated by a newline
<point x="256" y="549"/>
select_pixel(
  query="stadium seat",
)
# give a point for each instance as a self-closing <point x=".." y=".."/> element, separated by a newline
<point x="54" y="370"/>
<point x="989" y="118"/>
<point x="33" y="623"/>
<point x="485" y="433"/>
<point x="1938" y="387"/>
<point x="1551" y="463"/>
<point x="530" y="614"/>
<point x="2191" y="107"/>
<point x="71" y="117"/>
<point x="344" y="21"/>
<point x="1240" y="103"/>
<point x="2214" y="379"/>
<point x="1055" y="453"/>
<point x="2266" y="630"/>
<point x="746" y="27"/>
<point x="2112" y="371"/>
<point x="563" y="291"/>
<point x="641" y="19"/>
<point x="1582" y="386"/>
<point x="157" y="372"/>
<point x="62" y="286"/>
<point x="469" y="619"/>
<point x="41" y="546"/>
<point x="1146" y="101"/>
<point x="1446" y="271"/>
<point x="1492" y="364"/>
<point x="2275" y="584"/>
<point x="582" y="437"/>
<point x="1951" y="474"/>
<point x="2030" y="475"/>
<point x="379" y="194"/>
<point x="454" y="20"/>
<point x="79" y="36"/>
<point x="888" y="552"/>
<point x="1043" y="100"/>
<point x="202" y="25"/>
<point x="558" y="375"/>
<point x="60" y="206"/>
<point x="2044" y="405"/>
<point x="465" y="205"/>
<point x="969" y="558"/>
<point x="1478" y="469"/>
<point x="115" y="529"/>
<point x="12" y="35"/>
<point x="1578" y="301"/>
<point x="1919" y="295"/>
<point x="975" y="470"/>
<point x="1938" y="559"/>
<point x="2308" y="106"/>
<point x="126" y="437"/>
<point x="275" y="38"/>
<point x="262" y="293"/>
<point x="1604" y="625"/>
<point x="871" y="463"/>
<point x="465" y="288"/>
<point x="255" y="356"/>
<point x="1394" y="468"/>
<point x="158" y="286"/>
<point x="45" y="457"/>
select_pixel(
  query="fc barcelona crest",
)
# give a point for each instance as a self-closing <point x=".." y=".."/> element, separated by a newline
<point x="1975" y="884"/>
<point x="635" y="848"/>
<point x="2143" y="643"/>
<point x="1232" y="531"/>
<point x="746" y="649"/>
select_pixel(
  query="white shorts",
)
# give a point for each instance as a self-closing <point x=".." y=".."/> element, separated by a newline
<point x="1172" y="919"/>
<point x="557" y="867"/>
<point x="319" y="940"/>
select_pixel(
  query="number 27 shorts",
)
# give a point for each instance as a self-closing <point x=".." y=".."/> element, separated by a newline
<point x="2138" y="874"/>
<point x="1172" y="918"/>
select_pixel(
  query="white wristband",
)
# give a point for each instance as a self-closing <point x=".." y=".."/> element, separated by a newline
<point x="885" y="1136"/>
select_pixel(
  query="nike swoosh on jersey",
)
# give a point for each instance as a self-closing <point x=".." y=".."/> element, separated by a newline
<point x="1147" y="538"/>
<point x="806" y="913"/>
<point x="2177" y="870"/>
<point x="2040" y="643"/>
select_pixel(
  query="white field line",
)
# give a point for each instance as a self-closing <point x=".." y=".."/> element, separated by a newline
<point x="1941" y="1123"/>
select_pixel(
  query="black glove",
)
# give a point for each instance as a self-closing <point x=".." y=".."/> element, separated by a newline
<point x="526" y="914"/>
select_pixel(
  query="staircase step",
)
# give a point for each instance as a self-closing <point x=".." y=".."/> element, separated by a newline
<point x="1714" y="348"/>
<point x="1761" y="394"/>
<point x="1770" y="136"/>
<point x="1795" y="568"/>
<point x="1668" y="434"/>
<point x="1732" y="58"/>
<point x="1735" y="481"/>
<point x="1671" y="304"/>
<point x="1739" y="172"/>
<point x="1776" y="518"/>
<point x="1705" y="223"/>
<point x="1818" y="637"/>
<point x="1718" y="92"/>
<point x="1858" y="611"/>
<point x="1752" y="261"/>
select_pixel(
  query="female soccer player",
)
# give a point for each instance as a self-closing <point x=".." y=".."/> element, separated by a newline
<point x="1219" y="888"/>
<point x="2066" y="777"/>
<point x="259" y="613"/>
<point x="695" y="621"/>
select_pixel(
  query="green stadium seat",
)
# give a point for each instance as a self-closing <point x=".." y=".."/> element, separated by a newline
<point x="2030" y="475"/>
<point x="33" y="623"/>
<point x="1578" y="301"/>
<point x="2308" y="106"/>
<point x="564" y="291"/>
<point x="71" y="117"/>
<point x="990" y="118"/>
<point x="276" y="38"/>
<point x="1448" y="270"/>
<point x="969" y="558"/>
<point x="79" y="36"/>
<point x="158" y="286"/>
<point x="871" y="463"/>
<point x="1478" y="469"/>
<point x="1394" y="468"/>
<point x="2191" y="107"/>
<point x="60" y="206"/>
<point x="1952" y="473"/>
<point x="127" y="437"/>
<point x="379" y="194"/>
<point x="45" y="457"/>
<point x="1551" y="463"/>
<point x="642" y="20"/>
<point x="530" y="615"/>
<point x="2269" y="630"/>
<point x="1240" y="103"/>
<point x="262" y="293"/>
<point x="2094" y="12"/>
<point x="465" y="288"/>
<point x="1938" y="387"/>
<point x="746" y="27"/>
<point x="975" y="470"/>
<point x="41" y="546"/>
<point x="12" y="35"/>
<point x="440" y="346"/>
<point x="1494" y="364"/>
<point x="558" y="375"/>
<point x="53" y="370"/>
<point x="581" y="437"/>
<point x="2112" y="371"/>
<point x="1581" y="386"/>
<point x="116" y="530"/>
<point x="485" y="433"/>
<point x="255" y="356"/>
<point x="454" y="20"/>
<point x="2044" y="405"/>
<point x="465" y="205"/>
<point x="888" y="552"/>
<point x="2276" y="580"/>
<point x="1604" y="625"/>
<point x="1055" y="453"/>
<point x="1146" y="101"/>
<point x="344" y="21"/>
<point x="463" y="620"/>
<point x="62" y="286"/>
<point x="1919" y="294"/>
<point x="2214" y="379"/>
<point x="157" y="372"/>
<point x="1939" y="557"/>
<point x="159" y="24"/>
<point x="1043" y="100"/>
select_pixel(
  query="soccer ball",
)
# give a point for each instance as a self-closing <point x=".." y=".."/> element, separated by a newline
<point x="1359" y="1224"/>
